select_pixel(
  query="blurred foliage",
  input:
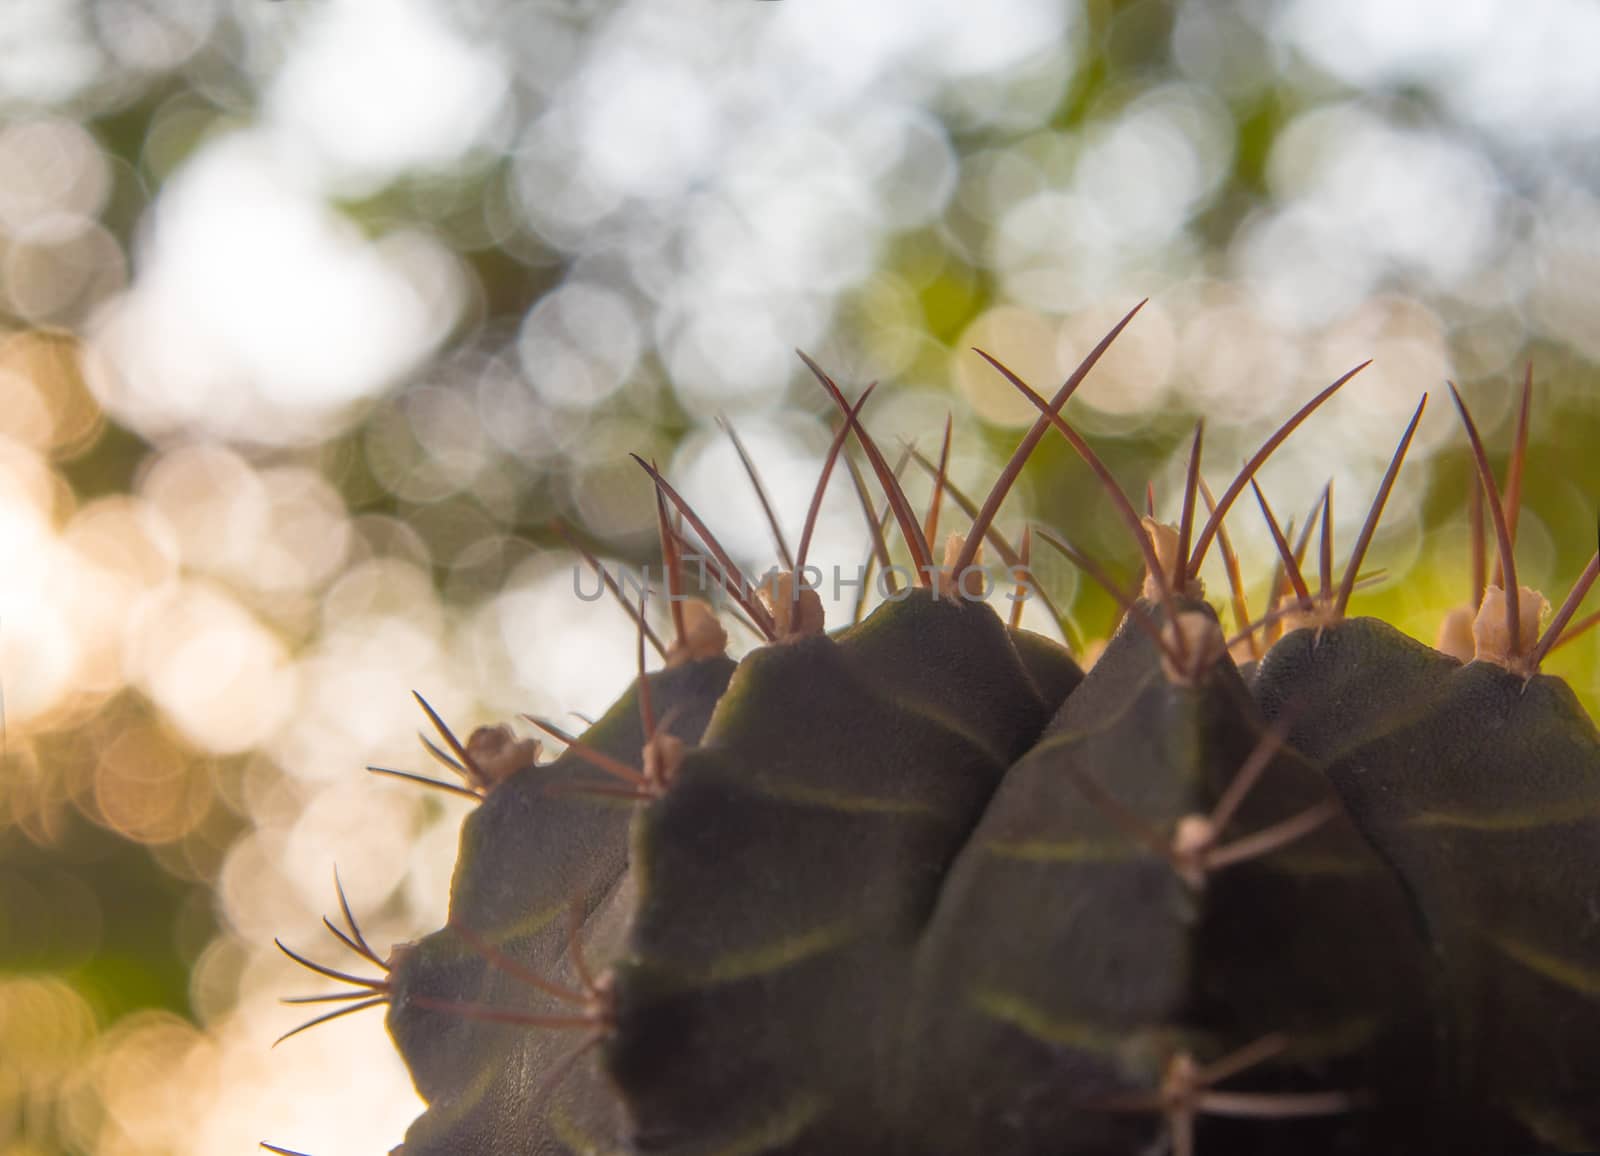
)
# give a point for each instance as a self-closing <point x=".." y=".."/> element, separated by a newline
<point x="314" y="314"/>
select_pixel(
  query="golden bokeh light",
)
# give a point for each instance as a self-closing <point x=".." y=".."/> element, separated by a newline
<point x="220" y="675"/>
<point x="148" y="789"/>
<point x="151" y="1072"/>
<point x="313" y="317"/>
<point x="54" y="411"/>
<point x="49" y="1029"/>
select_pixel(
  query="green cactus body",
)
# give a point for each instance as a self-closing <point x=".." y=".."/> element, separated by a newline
<point x="1482" y="789"/>
<point x="882" y="835"/>
<point x="479" y="1075"/>
<point x="1122" y="960"/>
<point x="793" y="864"/>
<point x="922" y="887"/>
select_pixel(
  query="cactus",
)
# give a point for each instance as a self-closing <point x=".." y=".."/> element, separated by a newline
<point x="922" y="885"/>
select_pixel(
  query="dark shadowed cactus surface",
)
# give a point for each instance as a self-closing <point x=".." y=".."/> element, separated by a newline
<point x="922" y="885"/>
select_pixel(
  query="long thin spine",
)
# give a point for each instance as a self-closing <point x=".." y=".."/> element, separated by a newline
<point x="931" y="524"/>
<point x="1013" y="470"/>
<point x="910" y="528"/>
<point x="1024" y="557"/>
<point x="992" y="536"/>
<point x="434" y="784"/>
<point x="767" y="511"/>
<point x="610" y="583"/>
<point x="1266" y="748"/>
<point x="517" y="971"/>
<point x="1191" y="486"/>
<point x="1236" y="487"/>
<point x="1119" y="500"/>
<point x="1230" y="564"/>
<point x="647" y="712"/>
<point x="463" y="763"/>
<point x="1553" y="633"/>
<point x="732" y="577"/>
<point x="672" y="571"/>
<point x="815" y="509"/>
<point x="598" y="759"/>
<point x="361" y="947"/>
<point x="1519" y="457"/>
<point x="1126" y="601"/>
<point x="878" y="529"/>
<point x="1325" y="554"/>
<point x="1497" y="514"/>
<point x="1480" y="562"/>
<point x="1286" y="555"/>
<point x="1370" y="526"/>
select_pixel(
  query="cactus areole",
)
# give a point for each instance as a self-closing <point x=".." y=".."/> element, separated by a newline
<point x="920" y="885"/>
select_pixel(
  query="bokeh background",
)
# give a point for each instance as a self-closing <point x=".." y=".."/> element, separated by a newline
<point x="315" y="313"/>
